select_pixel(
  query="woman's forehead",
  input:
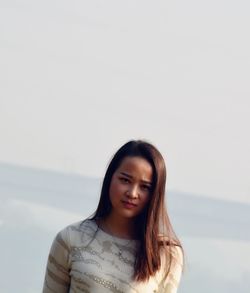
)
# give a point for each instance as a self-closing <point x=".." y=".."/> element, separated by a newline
<point x="136" y="166"/>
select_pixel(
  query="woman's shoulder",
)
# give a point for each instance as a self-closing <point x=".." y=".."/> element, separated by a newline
<point x="77" y="233"/>
<point x="171" y="246"/>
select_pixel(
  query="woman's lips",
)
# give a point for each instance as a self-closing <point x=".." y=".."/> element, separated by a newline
<point x="129" y="205"/>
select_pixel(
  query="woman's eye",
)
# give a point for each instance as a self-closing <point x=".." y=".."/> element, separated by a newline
<point x="145" y="187"/>
<point x="125" y="180"/>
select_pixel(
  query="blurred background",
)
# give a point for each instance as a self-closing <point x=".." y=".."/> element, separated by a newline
<point x="80" y="78"/>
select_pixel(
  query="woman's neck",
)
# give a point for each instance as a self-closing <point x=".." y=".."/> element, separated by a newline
<point x="119" y="226"/>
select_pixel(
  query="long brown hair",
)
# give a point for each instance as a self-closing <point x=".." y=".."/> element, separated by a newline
<point x="154" y="220"/>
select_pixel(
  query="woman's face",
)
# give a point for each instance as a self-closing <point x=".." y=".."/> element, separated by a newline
<point x="130" y="187"/>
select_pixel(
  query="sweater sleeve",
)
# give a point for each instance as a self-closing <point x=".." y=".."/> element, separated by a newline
<point x="171" y="283"/>
<point x="57" y="278"/>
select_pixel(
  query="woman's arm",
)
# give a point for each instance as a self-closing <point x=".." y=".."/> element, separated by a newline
<point x="176" y="271"/>
<point x="57" y="278"/>
<point x="171" y="283"/>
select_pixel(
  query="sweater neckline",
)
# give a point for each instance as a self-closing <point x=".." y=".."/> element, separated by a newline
<point x="110" y="236"/>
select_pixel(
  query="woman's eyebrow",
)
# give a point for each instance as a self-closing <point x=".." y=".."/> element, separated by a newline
<point x="130" y="176"/>
<point x="147" y="182"/>
<point x="126" y="174"/>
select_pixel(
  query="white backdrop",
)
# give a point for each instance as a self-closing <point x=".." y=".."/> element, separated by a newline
<point x="79" y="78"/>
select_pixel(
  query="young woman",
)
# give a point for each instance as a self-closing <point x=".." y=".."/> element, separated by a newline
<point x="128" y="245"/>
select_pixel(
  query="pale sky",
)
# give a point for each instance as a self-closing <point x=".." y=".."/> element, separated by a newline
<point x="80" y="78"/>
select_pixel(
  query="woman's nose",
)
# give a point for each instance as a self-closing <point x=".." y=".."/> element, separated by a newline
<point x="132" y="192"/>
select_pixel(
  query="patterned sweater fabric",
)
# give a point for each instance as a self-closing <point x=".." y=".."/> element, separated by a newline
<point x="85" y="259"/>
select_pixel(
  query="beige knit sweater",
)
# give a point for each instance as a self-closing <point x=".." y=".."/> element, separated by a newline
<point x="83" y="258"/>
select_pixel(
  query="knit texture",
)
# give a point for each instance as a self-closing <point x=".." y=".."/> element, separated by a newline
<point x="85" y="259"/>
